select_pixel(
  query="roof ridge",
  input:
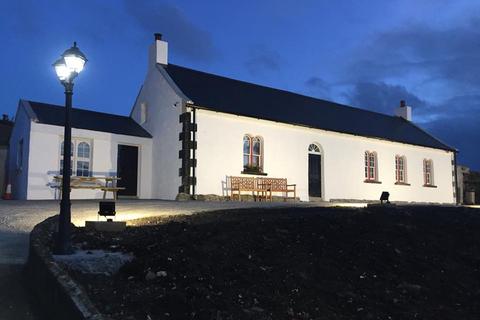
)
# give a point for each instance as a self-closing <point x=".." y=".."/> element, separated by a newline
<point x="341" y="105"/>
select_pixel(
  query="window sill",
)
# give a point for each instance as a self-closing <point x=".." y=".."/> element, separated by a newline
<point x="372" y="181"/>
<point x="402" y="184"/>
<point x="254" y="173"/>
<point x="429" y="186"/>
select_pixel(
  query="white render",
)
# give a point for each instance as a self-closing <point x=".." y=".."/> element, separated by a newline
<point x="164" y="103"/>
<point x="404" y="112"/>
<point x="220" y="140"/>
<point x="219" y="154"/>
<point x="42" y="159"/>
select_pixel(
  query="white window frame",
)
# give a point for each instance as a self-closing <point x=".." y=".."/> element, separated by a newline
<point x="75" y="158"/>
<point x="371" y="166"/>
<point x="428" y="179"/>
<point x="400" y="169"/>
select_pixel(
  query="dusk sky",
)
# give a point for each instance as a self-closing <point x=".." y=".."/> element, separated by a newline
<point x="368" y="54"/>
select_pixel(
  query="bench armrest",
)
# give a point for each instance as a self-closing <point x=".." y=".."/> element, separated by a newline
<point x="291" y="185"/>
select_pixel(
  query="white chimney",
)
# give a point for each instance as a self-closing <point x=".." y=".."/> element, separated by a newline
<point x="158" y="52"/>
<point x="404" y="111"/>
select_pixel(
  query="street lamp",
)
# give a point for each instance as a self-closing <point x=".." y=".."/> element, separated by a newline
<point x="69" y="65"/>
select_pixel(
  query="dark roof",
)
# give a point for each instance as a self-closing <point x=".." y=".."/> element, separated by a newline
<point x="89" y="120"/>
<point x="242" y="98"/>
<point x="5" y="131"/>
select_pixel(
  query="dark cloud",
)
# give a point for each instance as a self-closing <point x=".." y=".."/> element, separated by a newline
<point x="262" y="59"/>
<point x="382" y="97"/>
<point x="459" y="127"/>
<point x="187" y="38"/>
<point x="318" y="87"/>
<point x="443" y="63"/>
<point x="451" y="54"/>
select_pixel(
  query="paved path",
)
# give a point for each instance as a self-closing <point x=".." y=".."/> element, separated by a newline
<point x="17" y="218"/>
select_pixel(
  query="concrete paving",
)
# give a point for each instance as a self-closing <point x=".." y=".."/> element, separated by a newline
<point x="17" y="219"/>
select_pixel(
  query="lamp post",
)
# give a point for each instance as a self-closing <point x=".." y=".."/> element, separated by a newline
<point x="69" y="65"/>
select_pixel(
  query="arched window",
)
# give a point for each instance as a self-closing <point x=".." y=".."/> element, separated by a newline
<point x="83" y="159"/>
<point x="428" y="172"/>
<point x="371" y="166"/>
<point x="400" y="169"/>
<point x="313" y="148"/>
<point x="252" y="153"/>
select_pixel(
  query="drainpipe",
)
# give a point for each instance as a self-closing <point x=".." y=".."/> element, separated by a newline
<point x="456" y="178"/>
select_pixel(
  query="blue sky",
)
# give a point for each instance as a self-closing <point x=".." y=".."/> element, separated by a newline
<point x="369" y="54"/>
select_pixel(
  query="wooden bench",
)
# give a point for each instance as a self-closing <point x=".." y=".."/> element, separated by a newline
<point x="105" y="184"/>
<point x="261" y="188"/>
<point x="247" y="184"/>
<point x="281" y="185"/>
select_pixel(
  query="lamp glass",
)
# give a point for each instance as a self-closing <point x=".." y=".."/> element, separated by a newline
<point x="74" y="63"/>
<point x="63" y="73"/>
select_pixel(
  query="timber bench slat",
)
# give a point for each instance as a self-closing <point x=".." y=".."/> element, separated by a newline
<point x="263" y="187"/>
<point x="110" y="184"/>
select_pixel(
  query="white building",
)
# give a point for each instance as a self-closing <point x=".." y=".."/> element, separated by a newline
<point x="200" y="128"/>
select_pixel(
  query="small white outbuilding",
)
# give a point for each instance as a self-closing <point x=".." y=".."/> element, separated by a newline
<point x="192" y="130"/>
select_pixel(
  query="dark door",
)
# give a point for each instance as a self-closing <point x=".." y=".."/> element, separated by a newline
<point x="314" y="175"/>
<point x="127" y="170"/>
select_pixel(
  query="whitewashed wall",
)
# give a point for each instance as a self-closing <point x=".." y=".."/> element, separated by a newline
<point x="219" y="154"/>
<point x="164" y="106"/>
<point x="21" y="130"/>
<point x="44" y="160"/>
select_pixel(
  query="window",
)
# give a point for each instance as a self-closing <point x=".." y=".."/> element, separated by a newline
<point x="428" y="172"/>
<point x="313" y="148"/>
<point x="20" y="155"/>
<point x="143" y="112"/>
<point x="81" y="156"/>
<point x="83" y="159"/>
<point x="400" y="170"/>
<point x="370" y="166"/>
<point x="252" y="153"/>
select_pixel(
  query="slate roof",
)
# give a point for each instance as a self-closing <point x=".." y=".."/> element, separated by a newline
<point x="89" y="120"/>
<point x="227" y="95"/>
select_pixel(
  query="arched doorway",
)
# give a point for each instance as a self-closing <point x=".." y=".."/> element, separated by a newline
<point x="314" y="171"/>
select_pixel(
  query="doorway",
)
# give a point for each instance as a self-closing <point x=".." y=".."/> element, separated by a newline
<point x="127" y="170"/>
<point x="314" y="171"/>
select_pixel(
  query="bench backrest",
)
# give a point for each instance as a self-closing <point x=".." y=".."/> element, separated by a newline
<point x="242" y="183"/>
<point x="275" y="184"/>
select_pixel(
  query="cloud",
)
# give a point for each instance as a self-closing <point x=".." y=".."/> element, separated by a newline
<point x="382" y="97"/>
<point x="458" y="127"/>
<point x="435" y="69"/>
<point x="262" y="60"/>
<point x="318" y="87"/>
<point x="419" y="52"/>
<point x="189" y="39"/>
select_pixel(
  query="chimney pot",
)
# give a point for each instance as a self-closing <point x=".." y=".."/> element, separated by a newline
<point x="5" y="117"/>
<point x="402" y="103"/>
<point x="158" y="36"/>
